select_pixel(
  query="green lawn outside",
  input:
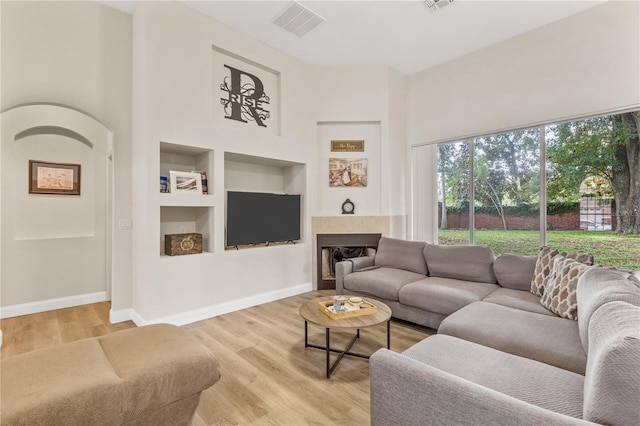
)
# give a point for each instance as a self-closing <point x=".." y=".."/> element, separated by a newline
<point x="608" y="248"/>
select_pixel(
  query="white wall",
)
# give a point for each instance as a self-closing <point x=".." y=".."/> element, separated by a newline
<point x="76" y="54"/>
<point x="346" y="97"/>
<point x="396" y="174"/>
<point x="585" y="64"/>
<point x="177" y="99"/>
<point x="581" y="65"/>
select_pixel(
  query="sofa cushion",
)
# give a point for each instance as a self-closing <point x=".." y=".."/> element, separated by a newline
<point x="560" y="290"/>
<point x="401" y="254"/>
<point x="612" y="380"/>
<point x="381" y="282"/>
<point x="70" y="384"/>
<point x="443" y="295"/>
<point x="527" y="380"/>
<point x="598" y="286"/>
<point x="469" y="263"/>
<point x="518" y="299"/>
<point x="159" y="364"/>
<point x="514" y="270"/>
<point x="549" y="339"/>
<point x="544" y="263"/>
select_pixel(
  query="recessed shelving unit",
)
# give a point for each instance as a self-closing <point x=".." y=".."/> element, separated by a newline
<point x="244" y="172"/>
<point x="187" y="213"/>
<point x="180" y="220"/>
<point x="186" y="158"/>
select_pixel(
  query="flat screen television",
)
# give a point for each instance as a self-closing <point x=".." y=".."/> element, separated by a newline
<point x="258" y="217"/>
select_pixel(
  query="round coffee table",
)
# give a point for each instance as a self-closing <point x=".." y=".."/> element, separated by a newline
<point x="311" y="313"/>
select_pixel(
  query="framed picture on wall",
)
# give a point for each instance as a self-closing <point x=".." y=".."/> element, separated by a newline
<point x="347" y="172"/>
<point x="54" y="178"/>
<point x="185" y="182"/>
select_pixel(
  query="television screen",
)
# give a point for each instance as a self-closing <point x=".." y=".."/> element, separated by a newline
<point x="257" y="217"/>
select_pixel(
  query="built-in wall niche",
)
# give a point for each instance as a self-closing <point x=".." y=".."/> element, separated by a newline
<point x="182" y="219"/>
<point x="247" y="173"/>
<point x="186" y="158"/>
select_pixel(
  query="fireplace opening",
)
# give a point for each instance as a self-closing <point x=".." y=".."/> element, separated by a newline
<point x="333" y="255"/>
<point x="333" y="248"/>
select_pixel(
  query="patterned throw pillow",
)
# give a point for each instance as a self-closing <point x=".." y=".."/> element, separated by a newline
<point x="560" y="295"/>
<point x="545" y="262"/>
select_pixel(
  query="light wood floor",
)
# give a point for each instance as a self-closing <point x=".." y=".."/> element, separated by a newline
<point x="268" y="377"/>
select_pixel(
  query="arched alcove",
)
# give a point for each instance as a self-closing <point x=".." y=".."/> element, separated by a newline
<point x="55" y="247"/>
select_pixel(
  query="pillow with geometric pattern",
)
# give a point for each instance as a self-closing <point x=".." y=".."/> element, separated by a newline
<point x="544" y="263"/>
<point x="560" y="295"/>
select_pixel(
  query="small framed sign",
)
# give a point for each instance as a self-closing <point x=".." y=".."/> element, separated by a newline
<point x="54" y="178"/>
<point x="347" y="146"/>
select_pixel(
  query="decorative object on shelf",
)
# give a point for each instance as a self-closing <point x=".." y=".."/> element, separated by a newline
<point x="179" y="244"/>
<point x="348" y="207"/>
<point x="185" y="182"/>
<point x="205" y="185"/>
<point x="164" y="184"/>
<point x="347" y="146"/>
<point x="54" y="178"/>
<point x="347" y="172"/>
<point x="245" y="99"/>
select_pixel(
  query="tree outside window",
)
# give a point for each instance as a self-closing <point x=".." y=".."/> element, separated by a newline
<point x="593" y="184"/>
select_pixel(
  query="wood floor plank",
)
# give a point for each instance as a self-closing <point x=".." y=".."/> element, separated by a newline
<point x="268" y="376"/>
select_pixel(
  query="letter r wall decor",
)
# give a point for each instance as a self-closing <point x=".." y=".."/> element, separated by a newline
<point x="247" y="93"/>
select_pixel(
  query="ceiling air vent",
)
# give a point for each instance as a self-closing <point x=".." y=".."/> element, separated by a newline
<point x="298" y="19"/>
<point x="436" y="5"/>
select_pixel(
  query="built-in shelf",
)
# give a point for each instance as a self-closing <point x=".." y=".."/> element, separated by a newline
<point x="181" y="220"/>
<point x="188" y="200"/>
<point x="186" y="213"/>
<point x="186" y="158"/>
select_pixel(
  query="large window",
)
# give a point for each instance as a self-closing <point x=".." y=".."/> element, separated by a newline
<point x="453" y="192"/>
<point x="490" y="192"/>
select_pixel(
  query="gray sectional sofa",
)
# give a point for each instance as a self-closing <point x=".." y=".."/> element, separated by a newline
<point x="424" y="283"/>
<point x="500" y="356"/>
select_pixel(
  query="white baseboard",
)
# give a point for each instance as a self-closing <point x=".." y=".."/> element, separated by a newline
<point x="210" y="311"/>
<point x="51" y="304"/>
<point x="123" y="315"/>
<point x="120" y="315"/>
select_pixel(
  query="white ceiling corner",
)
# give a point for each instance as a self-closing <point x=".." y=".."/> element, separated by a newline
<point x="404" y="34"/>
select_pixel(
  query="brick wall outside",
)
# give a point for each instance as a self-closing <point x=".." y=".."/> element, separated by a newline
<point x="560" y="222"/>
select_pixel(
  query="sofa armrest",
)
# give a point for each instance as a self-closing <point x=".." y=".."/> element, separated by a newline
<point x="348" y="266"/>
<point x="407" y="392"/>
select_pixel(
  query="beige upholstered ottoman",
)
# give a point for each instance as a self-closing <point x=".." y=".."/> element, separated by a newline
<point x="151" y="375"/>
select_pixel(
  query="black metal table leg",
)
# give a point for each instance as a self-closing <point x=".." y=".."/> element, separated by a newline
<point x="389" y="334"/>
<point x="341" y="353"/>
<point x="306" y="334"/>
<point x="328" y="351"/>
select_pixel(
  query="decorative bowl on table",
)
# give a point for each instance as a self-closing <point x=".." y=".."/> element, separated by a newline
<point x="355" y="301"/>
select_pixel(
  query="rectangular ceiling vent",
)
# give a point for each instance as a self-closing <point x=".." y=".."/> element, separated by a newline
<point x="436" y="5"/>
<point x="297" y="19"/>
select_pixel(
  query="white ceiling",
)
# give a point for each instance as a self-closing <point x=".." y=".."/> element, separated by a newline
<point x="402" y="33"/>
